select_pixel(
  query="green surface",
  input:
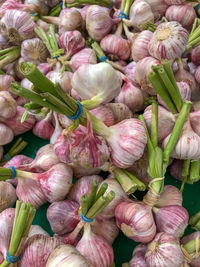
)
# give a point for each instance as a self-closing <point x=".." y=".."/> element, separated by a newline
<point x="123" y="247"/>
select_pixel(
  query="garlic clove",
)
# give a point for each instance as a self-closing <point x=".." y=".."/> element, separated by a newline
<point x="6" y="134"/>
<point x="138" y="256"/>
<point x="7" y="195"/>
<point x="170" y="195"/>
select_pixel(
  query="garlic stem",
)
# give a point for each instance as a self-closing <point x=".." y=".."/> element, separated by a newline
<point x="194" y="35"/>
<point x="185" y="173"/>
<point x="9" y="57"/>
<point x="190" y="247"/>
<point x="154" y="125"/>
<point x="195" y="221"/>
<point x="92" y="194"/>
<point x="101" y="191"/>
<point x="24" y="174"/>
<point x="99" y="203"/>
<point x="194" y="171"/>
<point x="140" y="185"/>
<point x="84" y="204"/>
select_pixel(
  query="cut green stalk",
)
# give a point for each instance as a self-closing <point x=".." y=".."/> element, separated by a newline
<point x="97" y="205"/>
<point x="6" y="50"/>
<point x="190" y="247"/>
<point x="84" y="204"/>
<point x="106" y="3"/>
<point x="185" y="173"/>
<point x="176" y="133"/>
<point x="140" y="185"/>
<point x="43" y="36"/>
<point x="195" y="221"/>
<point x="154" y="125"/>
<point x="194" y="171"/>
<point x="110" y="196"/>
<point x="101" y="191"/>
<point x="194" y="35"/>
<point x="92" y="194"/>
<point x="10" y="57"/>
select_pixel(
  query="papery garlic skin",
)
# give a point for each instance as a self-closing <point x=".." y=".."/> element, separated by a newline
<point x="171" y="219"/>
<point x="170" y="196"/>
<point x="44" y="128"/>
<point x="138" y="256"/>
<point x="35" y="230"/>
<point x="129" y="71"/>
<point x="69" y="20"/>
<point x="136" y="221"/>
<point x="41" y="6"/>
<point x="57" y="130"/>
<point x="164" y="251"/>
<point x="66" y="255"/>
<point x="197" y="75"/>
<point x="168" y="41"/>
<point x="8" y="106"/>
<point x="174" y="2"/>
<point x="6" y="134"/>
<point x="5" y="82"/>
<point x="120" y="111"/>
<point x="104" y="114"/>
<point x="194" y="120"/>
<point x="184" y="14"/>
<point x="139" y="48"/>
<point x="7" y="195"/>
<point x="17" y="161"/>
<point x="195" y="55"/>
<point x="64" y="79"/>
<point x="158" y="7"/>
<point x="34" y="50"/>
<point x="80" y="171"/>
<point x="175" y="169"/>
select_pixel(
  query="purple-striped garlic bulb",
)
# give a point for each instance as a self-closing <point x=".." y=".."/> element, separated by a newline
<point x="158" y="7"/>
<point x="6" y="134"/>
<point x="86" y="55"/>
<point x="174" y="2"/>
<point x="16" y="5"/>
<point x="72" y="42"/>
<point x="116" y="46"/>
<point x="131" y="95"/>
<point x="142" y="69"/>
<point x="195" y="55"/>
<point x="164" y="251"/>
<point x="5" y="83"/>
<point x="17" y="25"/>
<point x="168" y="41"/>
<point x="7" y="195"/>
<point x="129" y="71"/>
<point x="98" y="22"/>
<point x="34" y="50"/>
<point x="104" y="114"/>
<point x="44" y="129"/>
<point x="184" y="14"/>
<point x="175" y="169"/>
<point x="197" y="75"/>
<point x="139" y="48"/>
<point x="17" y="161"/>
<point x="171" y="219"/>
<point x="170" y="195"/>
<point x="79" y="171"/>
<point x="8" y="105"/>
<point x="140" y="13"/>
<point x="37" y="230"/>
<point x="136" y="221"/>
<point x="166" y="121"/>
<point x="120" y="111"/>
<point x="138" y="256"/>
<point x="192" y="68"/>
<point x="41" y="6"/>
<point x="194" y="120"/>
<point x="187" y="146"/>
<point x="63" y="78"/>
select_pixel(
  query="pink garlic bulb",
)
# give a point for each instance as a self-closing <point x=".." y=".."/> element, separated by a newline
<point x="64" y="121"/>
<point x="63" y="216"/>
<point x="164" y="251"/>
<point x="197" y="75"/>
<point x="195" y="55"/>
<point x="17" y="161"/>
<point x="192" y="68"/>
<point x="166" y="121"/>
<point x="80" y="171"/>
<point x="175" y="169"/>
<point x="37" y="250"/>
<point x="7" y="195"/>
<point x="170" y="196"/>
<point x="72" y="42"/>
<point x="129" y="71"/>
<point x="100" y="82"/>
<point x="142" y="69"/>
<point x="57" y="131"/>
<point x="64" y="79"/>
<point x="6" y="226"/>
<point x="131" y="95"/>
<point x="15" y="122"/>
<point x="102" y="252"/>
<point x="6" y="134"/>
<point x="171" y="220"/>
<point x="8" y="106"/>
<point x="120" y="111"/>
<point x="168" y="41"/>
<point x="5" y="82"/>
<point x="82" y="187"/>
<point x="139" y="48"/>
<point x="41" y="6"/>
<point x="21" y="101"/>
<point x="36" y="230"/>
<point x="104" y="114"/>
<point x="44" y="68"/>
<point x="34" y="50"/>
<point x="136" y="221"/>
<point x="86" y="55"/>
<point x="175" y="66"/>
<point x="98" y="22"/>
<point x="194" y="120"/>
<point x="17" y="26"/>
<point x="138" y="256"/>
<point x="187" y="146"/>
<point x="116" y="46"/>
<point x="184" y="14"/>
<point x="51" y="3"/>
<point x="140" y="13"/>
<point x="44" y="128"/>
<point x="158" y="7"/>
<point x="174" y="2"/>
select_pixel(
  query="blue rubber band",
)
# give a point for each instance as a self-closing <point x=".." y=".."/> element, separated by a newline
<point x="14" y="173"/>
<point x="103" y="58"/>
<point x="111" y="3"/>
<point x="61" y="4"/>
<point x="11" y="259"/>
<point x="186" y="49"/>
<point x="56" y="57"/>
<point x="34" y="14"/>
<point x="86" y="219"/>
<point x="123" y="15"/>
<point x="78" y="113"/>
<point x="196" y="8"/>
<point x="7" y="157"/>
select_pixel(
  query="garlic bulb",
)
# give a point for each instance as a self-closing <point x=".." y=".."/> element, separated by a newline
<point x="139" y="48"/>
<point x="72" y="42"/>
<point x="82" y="187"/>
<point x="197" y="75"/>
<point x="98" y="82"/>
<point x="40" y="5"/>
<point x="64" y="79"/>
<point x="98" y="22"/>
<point x="5" y="82"/>
<point x="17" y="161"/>
<point x="95" y="248"/>
<point x="63" y="216"/>
<point x="16" y="26"/>
<point x="116" y="46"/>
<point x="3" y="42"/>
<point x="175" y="169"/>
<point x="166" y="121"/>
<point x="35" y="230"/>
<point x="184" y="14"/>
<point x="51" y="3"/>
<point x="44" y="128"/>
<point x="7" y="195"/>
<point x="171" y="220"/>
<point x="158" y="7"/>
<point x="120" y="111"/>
<point x="138" y="256"/>
<point x="66" y="255"/>
<point x="129" y="71"/>
<point x="194" y="120"/>
<point x="37" y="250"/>
<point x="164" y="251"/>
<point x="170" y="196"/>
<point x="104" y="114"/>
<point x="136" y="221"/>
<point x="142" y="69"/>
<point x="168" y="41"/>
<point x="6" y="134"/>
<point x="174" y="2"/>
<point x="34" y="50"/>
<point x="195" y="55"/>
<point x="131" y="95"/>
<point x="79" y="171"/>
<point x="187" y="146"/>
<point x="86" y="55"/>
<point x="8" y="106"/>
<point x="192" y="68"/>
